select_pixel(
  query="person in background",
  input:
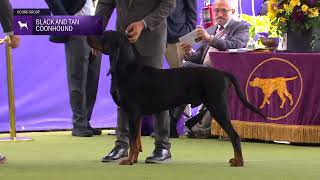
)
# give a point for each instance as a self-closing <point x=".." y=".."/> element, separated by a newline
<point x="146" y="24"/>
<point x="83" y="67"/>
<point x="6" y="20"/>
<point x="182" y="21"/>
<point x="226" y="34"/>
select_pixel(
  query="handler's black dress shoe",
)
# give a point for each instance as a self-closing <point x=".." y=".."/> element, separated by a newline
<point x="117" y="153"/>
<point x="95" y="131"/>
<point x="81" y="132"/>
<point x="159" y="156"/>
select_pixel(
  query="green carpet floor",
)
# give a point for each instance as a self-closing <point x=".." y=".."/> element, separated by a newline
<point x="59" y="156"/>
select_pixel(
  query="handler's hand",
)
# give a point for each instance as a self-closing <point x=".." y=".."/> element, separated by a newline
<point x="134" y="30"/>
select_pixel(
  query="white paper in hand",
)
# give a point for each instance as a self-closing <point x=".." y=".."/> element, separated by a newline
<point x="190" y="38"/>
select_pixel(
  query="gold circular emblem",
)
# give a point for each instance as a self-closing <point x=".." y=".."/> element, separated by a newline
<point x="273" y="86"/>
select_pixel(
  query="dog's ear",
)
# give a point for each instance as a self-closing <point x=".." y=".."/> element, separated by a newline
<point x="108" y="40"/>
<point x="114" y="58"/>
<point x="114" y="38"/>
<point x="128" y="54"/>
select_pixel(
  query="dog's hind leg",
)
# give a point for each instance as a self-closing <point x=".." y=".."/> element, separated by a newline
<point x="221" y="114"/>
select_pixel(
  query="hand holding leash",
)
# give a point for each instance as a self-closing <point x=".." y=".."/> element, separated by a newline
<point x="134" y="30"/>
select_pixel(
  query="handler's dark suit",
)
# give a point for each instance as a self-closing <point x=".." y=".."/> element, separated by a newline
<point x="149" y="50"/>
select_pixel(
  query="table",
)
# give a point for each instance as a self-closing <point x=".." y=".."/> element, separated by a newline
<point x="284" y="86"/>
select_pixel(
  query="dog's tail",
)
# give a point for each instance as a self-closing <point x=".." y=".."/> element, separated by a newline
<point x="236" y="85"/>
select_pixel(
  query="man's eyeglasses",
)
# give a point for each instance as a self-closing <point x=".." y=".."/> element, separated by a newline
<point x="224" y="11"/>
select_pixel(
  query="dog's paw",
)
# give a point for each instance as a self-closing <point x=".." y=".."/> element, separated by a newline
<point x="126" y="162"/>
<point x="236" y="162"/>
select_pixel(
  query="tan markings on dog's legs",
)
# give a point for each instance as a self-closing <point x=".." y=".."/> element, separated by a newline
<point x="129" y="160"/>
<point x="138" y="143"/>
<point x="237" y="160"/>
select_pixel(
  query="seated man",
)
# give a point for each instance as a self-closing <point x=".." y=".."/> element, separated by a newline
<point x="226" y="34"/>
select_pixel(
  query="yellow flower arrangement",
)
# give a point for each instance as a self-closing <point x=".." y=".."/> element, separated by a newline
<point x="296" y="15"/>
<point x="259" y="24"/>
<point x="304" y="8"/>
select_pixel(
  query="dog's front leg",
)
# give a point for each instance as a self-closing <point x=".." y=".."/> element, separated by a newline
<point x="134" y="141"/>
<point x="138" y="143"/>
<point x="133" y="153"/>
<point x="129" y="160"/>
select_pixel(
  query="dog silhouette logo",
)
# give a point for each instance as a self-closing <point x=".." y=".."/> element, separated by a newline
<point x="268" y="86"/>
<point x="23" y="25"/>
<point x="275" y="85"/>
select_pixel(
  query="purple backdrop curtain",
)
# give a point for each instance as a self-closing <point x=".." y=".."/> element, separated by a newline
<point x="41" y="95"/>
<point x="247" y="6"/>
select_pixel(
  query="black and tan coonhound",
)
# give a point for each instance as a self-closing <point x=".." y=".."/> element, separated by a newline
<point x="142" y="90"/>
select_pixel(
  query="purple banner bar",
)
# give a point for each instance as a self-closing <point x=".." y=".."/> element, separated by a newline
<point x="58" y="25"/>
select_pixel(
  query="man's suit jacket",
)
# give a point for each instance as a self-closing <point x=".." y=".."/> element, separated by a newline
<point x="6" y="15"/>
<point x="152" y="40"/>
<point x="234" y="36"/>
<point x="183" y="20"/>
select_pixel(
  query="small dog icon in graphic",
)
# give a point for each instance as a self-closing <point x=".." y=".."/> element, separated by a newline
<point x="23" y="25"/>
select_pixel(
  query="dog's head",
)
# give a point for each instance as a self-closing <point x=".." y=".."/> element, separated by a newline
<point x="116" y="45"/>
<point x="108" y="41"/>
